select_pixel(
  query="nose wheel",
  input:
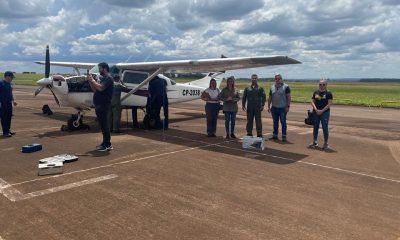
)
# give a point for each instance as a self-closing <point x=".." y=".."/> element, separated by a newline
<point x="75" y="122"/>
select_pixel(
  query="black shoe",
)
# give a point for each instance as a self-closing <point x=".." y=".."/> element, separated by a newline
<point x="99" y="146"/>
<point x="102" y="149"/>
<point x="209" y="135"/>
<point x="273" y="138"/>
<point x="118" y="132"/>
<point x="7" y="135"/>
<point x="109" y="148"/>
<point x="227" y="136"/>
<point x="213" y="135"/>
<point x="260" y="136"/>
<point x="284" y="139"/>
<point x="250" y="134"/>
<point x="233" y="136"/>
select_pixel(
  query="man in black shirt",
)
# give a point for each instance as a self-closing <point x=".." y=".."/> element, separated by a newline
<point x="321" y="103"/>
<point x="103" y="91"/>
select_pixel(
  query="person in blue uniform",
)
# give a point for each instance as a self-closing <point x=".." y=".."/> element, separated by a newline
<point x="6" y="103"/>
<point x="103" y="91"/>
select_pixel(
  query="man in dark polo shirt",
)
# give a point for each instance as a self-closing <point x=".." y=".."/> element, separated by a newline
<point x="103" y="91"/>
<point x="6" y="103"/>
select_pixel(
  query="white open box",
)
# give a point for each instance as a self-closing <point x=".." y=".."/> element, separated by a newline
<point x="250" y="142"/>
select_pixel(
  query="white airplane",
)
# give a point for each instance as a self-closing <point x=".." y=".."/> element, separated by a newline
<point x="74" y="91"/>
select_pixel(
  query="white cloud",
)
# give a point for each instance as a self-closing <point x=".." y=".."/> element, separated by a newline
<point x="120" y="42"/>
<point x="24" y="9"/>
<point x="346" y="37"/>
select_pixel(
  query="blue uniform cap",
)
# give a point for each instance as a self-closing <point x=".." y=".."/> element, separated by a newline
<point x="9" y="74"/>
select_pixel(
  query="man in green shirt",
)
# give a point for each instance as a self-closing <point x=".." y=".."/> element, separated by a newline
<point x="255" y="98"/>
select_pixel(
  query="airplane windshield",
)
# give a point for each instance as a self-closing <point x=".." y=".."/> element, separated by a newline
<point x="94" y="70"/>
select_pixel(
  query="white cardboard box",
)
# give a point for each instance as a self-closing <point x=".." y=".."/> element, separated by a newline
<point x="59" y="158"/>
<point x="50" y="168"/>
<point x="253" y="143"/>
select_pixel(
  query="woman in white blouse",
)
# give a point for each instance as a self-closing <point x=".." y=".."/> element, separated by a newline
<point x="210" y="95"/>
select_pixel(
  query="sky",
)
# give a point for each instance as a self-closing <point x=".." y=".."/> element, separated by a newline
<point x="332" y="39"/>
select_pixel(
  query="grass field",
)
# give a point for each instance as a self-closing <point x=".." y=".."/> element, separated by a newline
<point x="344" y="93"/>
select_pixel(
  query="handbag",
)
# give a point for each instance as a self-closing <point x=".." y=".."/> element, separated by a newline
<point x="310" y="119"/>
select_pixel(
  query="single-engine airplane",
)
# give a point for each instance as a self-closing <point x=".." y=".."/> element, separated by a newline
<point x="74" y="91"/>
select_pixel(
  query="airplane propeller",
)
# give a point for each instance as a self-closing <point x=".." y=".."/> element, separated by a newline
<point x="46" y="81"/>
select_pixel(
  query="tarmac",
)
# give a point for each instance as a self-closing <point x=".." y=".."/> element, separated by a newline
<point x="180" y="184"/>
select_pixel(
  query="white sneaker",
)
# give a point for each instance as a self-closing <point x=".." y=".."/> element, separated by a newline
<point x="326" y="147"/>
<point x="313" y="145"/>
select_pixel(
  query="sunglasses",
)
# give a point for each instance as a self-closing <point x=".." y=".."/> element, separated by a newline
<point x="323" y="84"/>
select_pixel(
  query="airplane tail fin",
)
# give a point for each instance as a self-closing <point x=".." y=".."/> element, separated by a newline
<point x="205" y="81"/>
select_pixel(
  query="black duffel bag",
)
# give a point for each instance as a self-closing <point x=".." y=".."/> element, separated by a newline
<point x="310" y="119"/>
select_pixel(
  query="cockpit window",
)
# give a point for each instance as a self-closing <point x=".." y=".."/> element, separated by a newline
<point x="94" y="70"/>
<point x="134" y="77"/>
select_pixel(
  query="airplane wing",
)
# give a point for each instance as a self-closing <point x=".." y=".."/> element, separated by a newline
<point x="79" y="65"/>
<point x="209" y="65"/>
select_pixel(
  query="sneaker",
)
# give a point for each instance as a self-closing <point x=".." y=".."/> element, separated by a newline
<point x="233" y="136"/>
<point x="102" y="149"/>
<point x="273" y="138"/>
<point x="313" y="145"/>
<point x="227" y="136"/>
<point x="250" y="134"/>
<point x="326" y="147"/>
<point x="213" y="135"/>
<point x="7" y="135"/>
<point x="109" y="148"/>
<point x="99" y="146"/>
<point x="260" y="136"/>
<point x="12" y="133"/>
<point x="284" y="139"/>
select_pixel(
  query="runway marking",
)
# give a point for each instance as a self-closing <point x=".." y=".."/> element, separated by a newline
<point x="118" y="163"/>
<point x="11" y="193"/>
<point x="14" y="195"/>
<point x="318" y="165"/>
<point x="302" y="162"/>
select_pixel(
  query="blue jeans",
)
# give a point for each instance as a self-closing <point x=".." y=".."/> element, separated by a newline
<point x="324" y="119"/>
<point x="279" y="114"/>
<point x="230" y="117"/>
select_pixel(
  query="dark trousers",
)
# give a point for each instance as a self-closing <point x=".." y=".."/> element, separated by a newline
<point x="114" y="117"/>
<point x="324" y="120"/>
<point x="134" y="117"/>
<point x="157" y="103"/>
<point x="165" y="110"/>
<point x="254" y="113"/>
<point x="102" y="116"/>
<point x="279" y="114"/>
<point x="230" y="117"/>
<point x="212" y="110"/>
<point x="6" y="115"/>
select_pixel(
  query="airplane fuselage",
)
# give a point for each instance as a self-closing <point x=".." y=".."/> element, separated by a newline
<point x="75" y="91"/>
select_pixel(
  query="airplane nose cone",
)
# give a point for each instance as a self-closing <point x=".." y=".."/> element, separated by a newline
<point x="44" y="82"/>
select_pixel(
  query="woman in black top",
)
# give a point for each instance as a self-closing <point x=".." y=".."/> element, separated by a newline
<point x="321" y="103"/>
